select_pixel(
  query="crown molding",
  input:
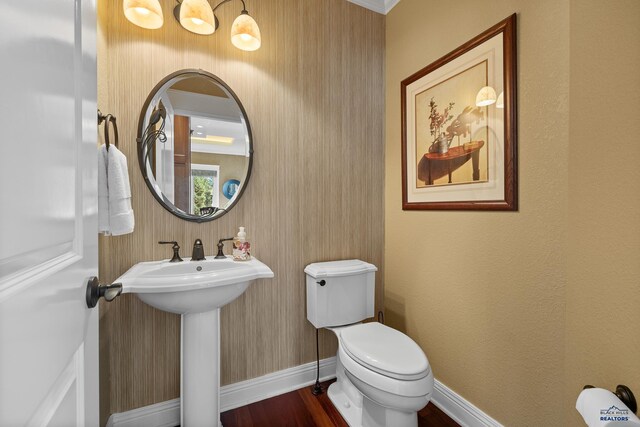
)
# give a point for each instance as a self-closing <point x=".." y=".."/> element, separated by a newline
<point x="380" y="6"/>
<point x="389" y="4"/>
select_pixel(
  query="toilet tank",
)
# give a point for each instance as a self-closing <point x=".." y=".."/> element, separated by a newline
<point x="348" y="294"/>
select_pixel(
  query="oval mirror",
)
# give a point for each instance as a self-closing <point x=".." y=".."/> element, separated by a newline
<point x="194" y="145"/>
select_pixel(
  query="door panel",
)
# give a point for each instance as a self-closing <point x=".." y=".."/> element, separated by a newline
<point x="48" y="220"/>
<point x="182" y="162"/>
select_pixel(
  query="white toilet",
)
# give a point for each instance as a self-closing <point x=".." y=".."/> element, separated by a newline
<point x="383" y="377"/>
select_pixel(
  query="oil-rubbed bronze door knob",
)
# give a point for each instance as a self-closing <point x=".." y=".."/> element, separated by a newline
<point x="95" y="291"/>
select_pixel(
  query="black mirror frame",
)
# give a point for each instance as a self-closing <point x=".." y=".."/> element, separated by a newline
<point x="141" y="128"/>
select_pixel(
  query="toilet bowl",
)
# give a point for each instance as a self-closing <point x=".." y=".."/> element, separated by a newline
<point x="383" y="376"/>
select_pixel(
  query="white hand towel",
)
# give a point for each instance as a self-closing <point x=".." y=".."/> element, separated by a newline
<point x="103" y="191"/>
<point x="121" y="219"/>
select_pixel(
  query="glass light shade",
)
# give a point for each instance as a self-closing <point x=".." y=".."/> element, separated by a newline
<point x="500" y="101"/>
<point x="144" y="13"/>
<point x="197" y="17"/>
<point x="245" y="34"/>
<point x="486" y="96"/>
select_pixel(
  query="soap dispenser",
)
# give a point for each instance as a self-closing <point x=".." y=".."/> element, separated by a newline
<point x="241" y="248"/>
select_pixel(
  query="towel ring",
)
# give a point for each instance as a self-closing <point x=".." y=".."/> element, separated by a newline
<point x="107" y="120"/>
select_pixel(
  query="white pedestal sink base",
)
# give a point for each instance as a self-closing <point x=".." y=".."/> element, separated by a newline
<point x="196" y="290"/>
<point x="200" y="369"/>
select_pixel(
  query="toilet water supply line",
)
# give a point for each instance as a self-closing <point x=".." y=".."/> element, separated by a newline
<point x="317" y="388"/>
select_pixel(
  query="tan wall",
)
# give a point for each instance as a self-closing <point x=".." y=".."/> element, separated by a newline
<point x="314" y="96"/>
<point x="483" y="292"/>
<point x="603" y="292"/>
<point x="518" y="311"/>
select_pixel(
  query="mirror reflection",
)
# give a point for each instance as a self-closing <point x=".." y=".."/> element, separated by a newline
<point x="195" y="145"/>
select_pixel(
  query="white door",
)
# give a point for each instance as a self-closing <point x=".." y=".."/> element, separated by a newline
<point x="48" y="213"/>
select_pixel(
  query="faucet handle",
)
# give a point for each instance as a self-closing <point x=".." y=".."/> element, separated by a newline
<point x="176" y="250"/>
<point x="220" y="245"/>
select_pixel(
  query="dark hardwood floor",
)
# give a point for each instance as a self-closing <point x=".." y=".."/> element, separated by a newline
<point x="300" y="408"/>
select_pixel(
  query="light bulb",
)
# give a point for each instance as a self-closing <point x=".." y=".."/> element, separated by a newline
<point x="142" y="10"/>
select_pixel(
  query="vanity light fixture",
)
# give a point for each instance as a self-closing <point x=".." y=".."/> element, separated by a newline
<point x="245" y="34"/>
<point x="486" y="96"/>
<point x="144" y="13"/>
<point x="198" y="17"/>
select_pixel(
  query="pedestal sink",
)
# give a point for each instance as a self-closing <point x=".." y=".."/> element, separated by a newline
<point x="196" y="290"/>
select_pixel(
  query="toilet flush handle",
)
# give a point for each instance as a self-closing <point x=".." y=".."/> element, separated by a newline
<point x="322" y="282"/>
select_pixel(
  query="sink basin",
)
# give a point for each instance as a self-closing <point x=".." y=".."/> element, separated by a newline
<point x="192" y="286"/>
<point x="196" y="290"/>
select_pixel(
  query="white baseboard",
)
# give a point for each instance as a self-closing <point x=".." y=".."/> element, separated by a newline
<point x="254" y="390"/>
<point x="167" y="414"/>
<point x="460" y="410"/>
<point x="163" y="414"/>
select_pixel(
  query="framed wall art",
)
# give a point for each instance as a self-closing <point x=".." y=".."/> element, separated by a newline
<point x="459" y="127"/>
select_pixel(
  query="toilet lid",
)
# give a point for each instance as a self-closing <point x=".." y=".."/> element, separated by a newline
<point x="385" y="350"/>
<point x="342" y="268"/>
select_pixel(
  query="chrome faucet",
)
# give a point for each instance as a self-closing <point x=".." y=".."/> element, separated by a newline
<point x="220" y="254"/>
<point x="198" y="251"/>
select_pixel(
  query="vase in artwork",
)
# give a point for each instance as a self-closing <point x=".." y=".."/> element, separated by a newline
<point x="443" y="144"/>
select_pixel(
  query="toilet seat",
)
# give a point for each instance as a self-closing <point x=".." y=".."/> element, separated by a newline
<point x="394" y="386"/>
<point x="385" y="359"/>
<point x="385" y="350"/>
